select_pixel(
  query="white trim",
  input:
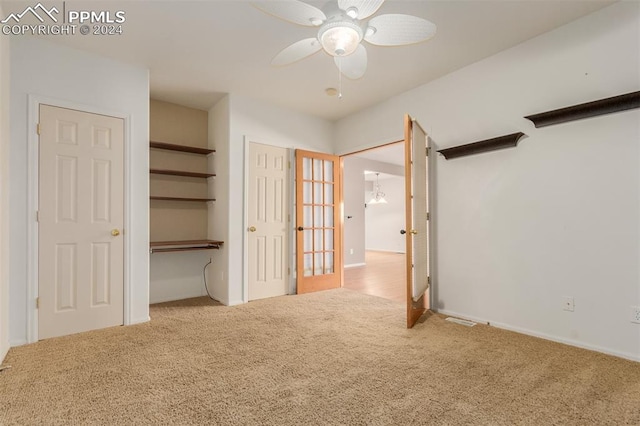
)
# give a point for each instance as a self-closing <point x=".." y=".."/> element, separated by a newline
<point x="245" y="225"/>
<point x="570" y="342"/>
<point x="4" y="353"/>
<point x="19" y="342"/>
<point x="34" y="102"/>
<point x="385" y="251"/>
<point x="354" y="265"/>
<point x="293" y="278"/>
<point x="245" y="221"/>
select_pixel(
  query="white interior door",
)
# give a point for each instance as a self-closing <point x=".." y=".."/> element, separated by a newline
<point x="267" y="221"/>
<point x="81" y="213"/>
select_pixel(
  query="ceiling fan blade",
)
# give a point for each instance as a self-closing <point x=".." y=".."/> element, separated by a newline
<point x="298" y="50"/>
<point x="354" y="65"/>
<point x="396" y="29"/>
<point x="363" y="8"/>
<point x="293" y="11"/>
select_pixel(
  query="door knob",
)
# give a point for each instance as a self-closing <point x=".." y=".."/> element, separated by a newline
<point x="252" y="229"/>
<point x="115" y="232"/>
<point x="300" y="228"/>
<point x="402" y="231"/>
<point x="413" y="231"/>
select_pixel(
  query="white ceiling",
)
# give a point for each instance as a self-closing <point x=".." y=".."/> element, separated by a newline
<point x="197" y="51"/>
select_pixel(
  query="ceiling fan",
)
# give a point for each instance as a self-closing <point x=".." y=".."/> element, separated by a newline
<point x="342" y="28"/>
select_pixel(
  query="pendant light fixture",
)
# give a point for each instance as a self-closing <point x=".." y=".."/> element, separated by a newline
<point x="377" y="196"/>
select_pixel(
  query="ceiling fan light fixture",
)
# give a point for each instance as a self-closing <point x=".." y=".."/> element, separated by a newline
<point x="340" y="38"/>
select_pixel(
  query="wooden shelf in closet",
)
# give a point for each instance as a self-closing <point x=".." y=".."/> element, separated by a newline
<point x="181" y="148"/>
<point x="181" y="173"/>
<point x="153" y="197"/>
<point x="184" y="245"/>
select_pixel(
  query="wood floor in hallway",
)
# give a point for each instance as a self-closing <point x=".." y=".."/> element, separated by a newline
<point x="383" y="276"/>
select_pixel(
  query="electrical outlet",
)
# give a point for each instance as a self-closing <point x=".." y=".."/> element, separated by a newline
<point x="568" y="304"/>
<point x="350" y="251"/>
<point x="635" y="314"/>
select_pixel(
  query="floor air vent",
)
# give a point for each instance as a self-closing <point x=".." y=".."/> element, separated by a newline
<point x="461" y="321"/>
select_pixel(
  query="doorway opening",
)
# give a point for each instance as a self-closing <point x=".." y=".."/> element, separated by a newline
<point x="374" y="214"/>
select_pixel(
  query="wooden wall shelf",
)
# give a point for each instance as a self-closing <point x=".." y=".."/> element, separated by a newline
<point x="181" y="173"/>
<point x="180" y="199"/>
<point x="181" y="148"/>
<point x="185" y="245"/>
<point x="501" y="142"/>
<point x="586" y="110"/>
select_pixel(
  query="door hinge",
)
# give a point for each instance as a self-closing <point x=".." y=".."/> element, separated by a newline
<point x="428" y="150"/>
<point x="428" y="216"/>
<point x="289" y="217"/>
<point x="37" y="303"/>
<point x="288" y="271"/>
<point x="37" y="215"/>
<point x="38" y="128"/>
<point x="289" y="163"/>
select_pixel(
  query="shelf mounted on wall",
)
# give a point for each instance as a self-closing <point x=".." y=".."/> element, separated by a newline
<point x="501" y="142"/>
<point x="586" y="110"/>
<point x="185" y="245"/>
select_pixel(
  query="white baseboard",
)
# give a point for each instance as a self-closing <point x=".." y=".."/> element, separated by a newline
<point x="4" y="353"/>
<point x="385" y="250"/>
<point x="596" y="348"/>
<point x="354" y="265"/>
<point x="20" y="342"/>
<point x="140" y="320"/>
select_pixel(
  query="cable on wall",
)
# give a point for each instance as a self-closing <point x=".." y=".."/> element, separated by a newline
<point x="204" y="276"/>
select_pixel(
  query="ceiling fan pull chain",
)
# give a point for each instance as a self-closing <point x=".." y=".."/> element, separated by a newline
<point x="339" y="77"/>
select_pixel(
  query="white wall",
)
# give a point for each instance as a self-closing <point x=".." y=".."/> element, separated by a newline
<point x="4" y="194"/>
<point x="517" y="230"/>
<point x="262" y="123"/>
<point x="177" y="275"/>
<point x="383" y="222"/>
<point x="48" y="70"/>
<point x="219" y="131"/>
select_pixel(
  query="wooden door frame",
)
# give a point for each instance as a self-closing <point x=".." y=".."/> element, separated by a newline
<point x="431" y="207"/>
<point x="33" y="196"/>
<point x="338" y="221"/>
<point x="245" y="217"/>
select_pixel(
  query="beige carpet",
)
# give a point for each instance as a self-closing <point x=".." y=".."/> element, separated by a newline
<point x="329" y="358"/>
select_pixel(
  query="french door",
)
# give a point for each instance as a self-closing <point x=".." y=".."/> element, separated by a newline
<point x="417" y="219"/>
<point x="318" y="221"/>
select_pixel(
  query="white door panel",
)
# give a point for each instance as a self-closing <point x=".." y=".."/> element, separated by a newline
<point x="267" y="226"/>
<point x="81" y="203"/>
<point x="420" y="196"/>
